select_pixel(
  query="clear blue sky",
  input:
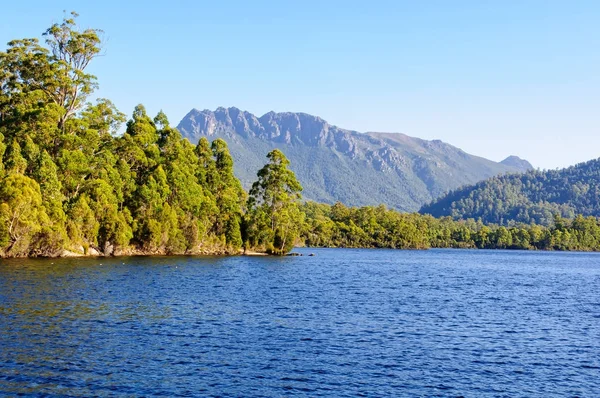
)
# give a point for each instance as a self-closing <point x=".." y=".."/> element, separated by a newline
<point x="492" y="77"/>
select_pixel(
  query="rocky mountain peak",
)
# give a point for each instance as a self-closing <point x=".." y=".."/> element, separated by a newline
<point x="339" y="164"/>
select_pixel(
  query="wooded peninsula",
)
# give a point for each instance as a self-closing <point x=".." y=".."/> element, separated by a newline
<point x="73" y="183"/>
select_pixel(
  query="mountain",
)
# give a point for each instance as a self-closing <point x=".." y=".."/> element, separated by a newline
<point x="535" y="196"/>
<point x="517" y="162"/>
<point x="335" y="164"/>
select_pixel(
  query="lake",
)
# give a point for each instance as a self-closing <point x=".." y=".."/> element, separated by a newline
<point x="341" y="323"/>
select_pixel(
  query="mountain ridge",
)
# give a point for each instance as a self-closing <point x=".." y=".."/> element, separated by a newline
<point x="401" y="171"/>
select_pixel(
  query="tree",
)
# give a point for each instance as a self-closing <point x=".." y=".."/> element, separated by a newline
<point x="139" y="145"/>
<point x="72" y="51"/>
<point x="275" y="219"/>
<point x="43" y="88"/>
<point x="114" y="225"/>
<point x="2" y="150"/>
<point x="206" y="164"/>
<point x="47" y="176"/>
<point x="155" y="221"/>
<point x="187" y="194"/>
<point x="503" y="238"/>
<point x="31" y="153"/>
<point x="25" y="72"/>
<point x="14" y="160"/>
<point x="229" y="196"/>
<point x="54" y="234"/>
<point x="82" y="226"/>
<point x="22" y="213"/>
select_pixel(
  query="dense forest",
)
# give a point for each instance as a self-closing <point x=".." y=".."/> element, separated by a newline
<point x="76" y="178"/>
<point x="379" y="227"/>
<point x="531" y="197"/>
<point x="72" y="184"/>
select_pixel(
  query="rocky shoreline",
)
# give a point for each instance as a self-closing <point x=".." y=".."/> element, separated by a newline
<point x="132" y="251"/>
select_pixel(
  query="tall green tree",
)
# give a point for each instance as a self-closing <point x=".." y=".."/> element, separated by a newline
<point x="22" y="213"/>
<point x="43" y="88"/>
<point x="72" y="51"/>
<point x="46" y="174"/>
<point x="274" y="219"/>
<point x="14" y="160"/>
<point x="139" y="145"/>
<point x="82" y="225"/>
<point x="156" y="225"/>
<point x="229" y="195"/>
<point x="206" y="164"/>
<point x="187" y="194"/>
<point x="114" y="224"/>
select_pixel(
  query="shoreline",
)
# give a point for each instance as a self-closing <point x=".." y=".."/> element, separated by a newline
<point x="253" y="253"/>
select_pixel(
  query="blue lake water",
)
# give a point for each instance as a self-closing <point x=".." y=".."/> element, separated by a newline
<point x="342" y="323"/>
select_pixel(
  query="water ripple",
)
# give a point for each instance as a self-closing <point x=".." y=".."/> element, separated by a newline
<point x="344" y="323"/>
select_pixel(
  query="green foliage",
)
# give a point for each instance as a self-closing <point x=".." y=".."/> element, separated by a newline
<point x="22" y="213"/>
<point x="532" y="197"/>
<point x="71" y="52"/>
<point x="14" y="160"/>
<point x="2" y="150"/>
<point x="378" y="227"/>
<point x="228" y="194"/>
<point x="70" y="182"/>
<point x="274" y="219"/>
<point x="82" y="226"/>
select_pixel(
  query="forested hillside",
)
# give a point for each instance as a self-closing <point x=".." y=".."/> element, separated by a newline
<point x="532" y="197"/>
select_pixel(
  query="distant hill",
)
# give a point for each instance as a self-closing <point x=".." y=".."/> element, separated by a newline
<point x="517" y="162"/>
<point x="335" y="164"/>
<point x="534" y="196"/>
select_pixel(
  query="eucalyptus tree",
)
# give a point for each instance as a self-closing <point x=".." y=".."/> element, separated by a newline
<point x="229" y="195"/>
<point x="43" y="87"/>
<point x="22" y="214"/>
<point x="274" y="218"/>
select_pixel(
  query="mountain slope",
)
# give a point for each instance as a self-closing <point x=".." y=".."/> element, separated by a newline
<point x="534" y="196"/>
<point x="335" y="164"/>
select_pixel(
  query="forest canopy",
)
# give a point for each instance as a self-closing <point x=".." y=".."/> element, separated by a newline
<point x="71" y="182"/>
<point x="532" y="197"/>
